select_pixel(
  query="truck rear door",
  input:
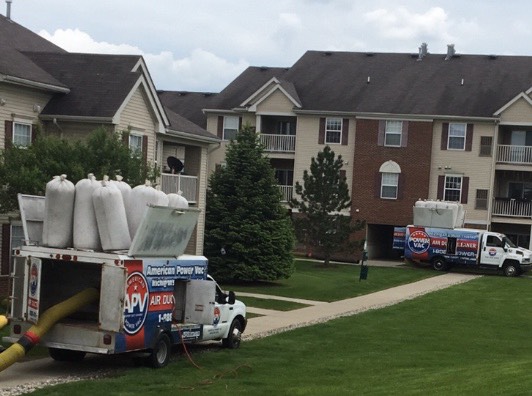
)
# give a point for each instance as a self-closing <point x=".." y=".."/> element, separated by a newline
<point x="492" y="250"/>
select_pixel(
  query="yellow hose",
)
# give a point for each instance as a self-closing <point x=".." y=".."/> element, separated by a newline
<point x="50" y="317"/>
<point x="3" y="321"/>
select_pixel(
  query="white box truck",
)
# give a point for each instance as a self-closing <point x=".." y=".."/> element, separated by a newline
<point x="444" y="248"/>
<point x="148" y="297"/>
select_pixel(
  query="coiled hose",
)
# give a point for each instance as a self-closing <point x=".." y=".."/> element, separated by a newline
<point x="50" y="317"/>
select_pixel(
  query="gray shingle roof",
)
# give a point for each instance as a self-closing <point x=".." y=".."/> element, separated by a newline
<point x="179" y="123"/>
<point x="18" y="37"/>
<point x="188" y="104"/>
<point x="98" y="83"/>
<point x="398" y="83"/>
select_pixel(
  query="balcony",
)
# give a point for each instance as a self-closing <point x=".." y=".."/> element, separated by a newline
<point x="510" y="154"/>
<point x="171" y="183"/>
<point x="509" y="207"/>
<point x="286" y="192"/>
<point x="278" y="143"/>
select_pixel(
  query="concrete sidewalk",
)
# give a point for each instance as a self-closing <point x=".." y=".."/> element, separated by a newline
<point x="279" y="321"/>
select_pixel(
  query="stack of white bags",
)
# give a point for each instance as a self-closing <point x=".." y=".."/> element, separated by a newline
<point x="98" y="215"/>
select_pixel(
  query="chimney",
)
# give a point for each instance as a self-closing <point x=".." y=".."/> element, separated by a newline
<point x="8" y="9"/>
<point x="423" y="51"/>
<point x="450" y="51"/>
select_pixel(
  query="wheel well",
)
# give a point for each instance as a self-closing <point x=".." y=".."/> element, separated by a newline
<point x="510" y="261"/>
<point x="243" y="322"/>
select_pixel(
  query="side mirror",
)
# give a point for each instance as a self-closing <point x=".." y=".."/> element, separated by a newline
<point x="231" y="300"/>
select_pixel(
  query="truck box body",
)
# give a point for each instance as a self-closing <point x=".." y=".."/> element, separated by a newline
<point x="152" y="288"/>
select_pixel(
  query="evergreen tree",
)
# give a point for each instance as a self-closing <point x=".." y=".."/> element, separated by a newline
<point x="248" y="233"/>
<point x="323" y="195"/>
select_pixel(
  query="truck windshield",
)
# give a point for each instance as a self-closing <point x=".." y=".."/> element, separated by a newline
<point x="508" y="242"/>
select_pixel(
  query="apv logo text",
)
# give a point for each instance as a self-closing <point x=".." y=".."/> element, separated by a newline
<point x="136" y="302"/>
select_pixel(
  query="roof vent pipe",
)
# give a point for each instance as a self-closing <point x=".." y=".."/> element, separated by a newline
<point x="8" y="9"/>
<point x="450" y="51"/>
<point x="423" y="51"/>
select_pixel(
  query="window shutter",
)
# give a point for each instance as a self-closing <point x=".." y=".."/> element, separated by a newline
<point x="465" y="189"/>
<point x="8" y="133"/>
<point x="239" y="123"/>
<point x="345" y="131"/>
<point x="380" y="138"/>
<point x="125" y="138"/>
<point x="33" y="133"/>
<point x="378" y="184"/>
<point x="469" y="137"/>
<point x="220" y="131"/>
<point x="401" y="185"/>
<point x="145" y="148"/>
<point x="6" y="254"/>
<point x="441" y="184"/>
<point x="342" y="174"/>
<point x="444" y="135"/>
<point x="321" y="136"/>
<point x="404" y="137"/>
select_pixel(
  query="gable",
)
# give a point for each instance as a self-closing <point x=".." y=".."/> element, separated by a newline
<point x="276" y="102"/>
<point x="520" y="111"/>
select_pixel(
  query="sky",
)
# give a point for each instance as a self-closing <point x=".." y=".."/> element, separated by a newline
<point x="202" y="45"/>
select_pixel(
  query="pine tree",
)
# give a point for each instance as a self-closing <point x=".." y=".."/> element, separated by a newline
<point x="323" y="195"/>
<point x="248" y="234"/>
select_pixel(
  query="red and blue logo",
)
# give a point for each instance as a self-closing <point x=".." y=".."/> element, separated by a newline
<point x="418" y="242"/>
<point x="492" y="252"/>
<point x="34" y="279"/>
<point x="136" y="303"/>
<point x="216" y="319"/>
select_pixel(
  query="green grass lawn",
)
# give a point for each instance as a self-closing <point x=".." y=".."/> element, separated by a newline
<point x="470" y="339"/>
<point x="312" y="281"/>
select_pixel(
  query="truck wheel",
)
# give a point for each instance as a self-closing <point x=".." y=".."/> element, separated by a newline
<point x="66" y="355"/>
<point x="160" y="354"/>
<point x="234" y="336"/>
<point x="511" y="270"/>
<point x="439" y="264"/>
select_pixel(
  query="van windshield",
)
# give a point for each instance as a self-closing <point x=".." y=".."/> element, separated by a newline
<point x="508" y="242"/>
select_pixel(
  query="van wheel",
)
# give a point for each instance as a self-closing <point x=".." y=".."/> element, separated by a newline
<point x="160" y="354"/>
<point x="511" y="270"/>
<point x="439" y="264"/>
<point x="235" y="335"/>
<point x="66" y="355"/>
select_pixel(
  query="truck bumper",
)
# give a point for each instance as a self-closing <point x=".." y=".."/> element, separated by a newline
<point x="526" y="267"/>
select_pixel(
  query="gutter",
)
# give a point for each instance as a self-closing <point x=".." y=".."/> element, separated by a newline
<point x="187" y="135"/>
<point x="60" y="117"/>
<point x="33" y="84"/>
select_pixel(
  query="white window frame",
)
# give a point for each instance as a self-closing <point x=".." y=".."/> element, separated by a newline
<point x="230" y="129"/>
<point x="393" y="128"/>
<point x="134" y="148"/>
<point x="389" y="181"/>
<point x="15" y="138"/>
<point x="449" y="186"/>
<point x="457" y="132"/>
<point x="333" y="128"/>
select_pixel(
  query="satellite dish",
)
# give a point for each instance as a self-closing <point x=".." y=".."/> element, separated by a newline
<point x="175" y="164"/>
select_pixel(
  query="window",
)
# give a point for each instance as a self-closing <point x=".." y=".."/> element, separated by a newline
<point x="230" y="127"/>
<point x="485" y="146"/>
<point x="452" y="188"/>
<point x="392" y="133"/>
<point x="17" y="236"/>
<point x="285" y="177"/>
<point x="389" y="185"/>
<point x="21" y="134"/>
<point x="135" y="143"/>
<point x="333" y="130"/>
<point x="457" y="136"/>
<point x="286" y="128"/>
<point x="481" y="201"/>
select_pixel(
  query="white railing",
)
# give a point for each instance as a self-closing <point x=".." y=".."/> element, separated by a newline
<point x="514" y="154"/>
<point x="286" y="192"/>
<point x="511" y="208"/>
<point x="279" y="143"/>
<point x="188" y="185"/>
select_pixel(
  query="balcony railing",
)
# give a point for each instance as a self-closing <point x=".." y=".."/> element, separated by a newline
<point x="279" y="143"/>
<point x="512" y="208"/>
<point x="514" y="154"/>
<point x="286" y="192"/>
<point x="188" y="185"/>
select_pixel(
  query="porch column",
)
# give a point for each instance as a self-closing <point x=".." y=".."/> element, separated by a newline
<point x="530" y="240"/>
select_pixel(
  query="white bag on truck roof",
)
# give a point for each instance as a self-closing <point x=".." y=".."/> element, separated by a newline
<point x="177" y="201"/>
<point x="58" y="212"/>
<point x="86" y="234"/>
<point x="111" y="217"/>
<point x="124" y="188"/>
<point x="141" y="196"/>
